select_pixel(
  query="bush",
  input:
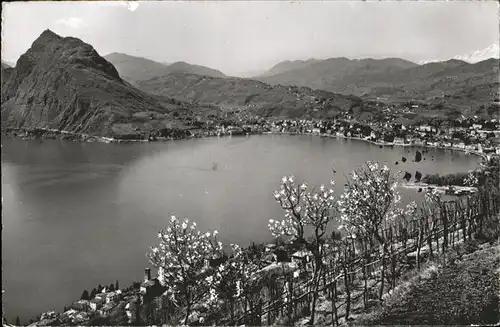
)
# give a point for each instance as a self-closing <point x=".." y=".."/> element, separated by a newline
<point x="470" y="246"/>
<point x="100" y="321"/>
<point x="444" y="180"/>
<point x="490" y="231"/>
<point x="306" y="311"/>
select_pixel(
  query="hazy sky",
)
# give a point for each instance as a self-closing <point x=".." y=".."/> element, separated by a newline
<point x="244" y="36"/>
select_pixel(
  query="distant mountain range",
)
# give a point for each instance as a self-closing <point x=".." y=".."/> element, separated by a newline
<point x="134" y="69"/>
<point x="8" y="64"/>
<point x="288" y="65"/>
<point x="254" y="96"/>
<point x="394" y="79"/>
<point x="64" y="84"/>
<point x="6" y="71"/>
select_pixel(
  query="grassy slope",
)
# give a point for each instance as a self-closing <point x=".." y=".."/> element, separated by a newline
<point x="465" y="291"/>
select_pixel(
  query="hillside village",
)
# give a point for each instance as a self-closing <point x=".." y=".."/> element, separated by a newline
<point x="129" y="306"/>
<point x="473" y="135"/>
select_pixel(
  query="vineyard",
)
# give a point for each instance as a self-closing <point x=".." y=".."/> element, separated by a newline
<point x="355" y="267"/>
<point x="342" y="272"/>
<point x="357" y="270"/>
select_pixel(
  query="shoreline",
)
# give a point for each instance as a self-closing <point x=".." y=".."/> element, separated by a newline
<point x="438" y="188"/>
<point x="482" y="155"/>
<point x="107" y="140"/>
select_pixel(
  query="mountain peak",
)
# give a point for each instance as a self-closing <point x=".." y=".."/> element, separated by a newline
<point x="50" y="52"/>
<point x="48" y="36"/>
<point x="48" y="32"/>
<point x="65" y="51"/>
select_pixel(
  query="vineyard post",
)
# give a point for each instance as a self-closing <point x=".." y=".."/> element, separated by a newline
<point x="365" y="277"/>
<point x="444" y="218"/>
<point x="420" y="238"/>
<point x="430" y="230"/>
<point x="290" y="299"/>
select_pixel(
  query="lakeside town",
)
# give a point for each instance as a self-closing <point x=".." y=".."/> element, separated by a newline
<point x="472" y="134"/>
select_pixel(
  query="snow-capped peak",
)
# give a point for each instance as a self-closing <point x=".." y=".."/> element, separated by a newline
<point x="493" y="51"/>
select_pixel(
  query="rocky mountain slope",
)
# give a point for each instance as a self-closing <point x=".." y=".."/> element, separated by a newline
<point x="396" y="79"/>
<point x="63" y="83"/>
<point x="258" y="97"/>
<point x="134" y="69"/>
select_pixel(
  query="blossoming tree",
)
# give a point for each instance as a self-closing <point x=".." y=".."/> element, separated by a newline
<point x="305" y="209"/>
<point x="182" y="258"/>
<point x="233" y="278"/>
<point x="370" y="203"/>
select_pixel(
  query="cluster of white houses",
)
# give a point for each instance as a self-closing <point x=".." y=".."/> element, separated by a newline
<point x="477" y="138"/>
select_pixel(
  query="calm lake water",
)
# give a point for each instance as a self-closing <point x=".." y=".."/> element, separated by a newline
<point x="76" y="215"/>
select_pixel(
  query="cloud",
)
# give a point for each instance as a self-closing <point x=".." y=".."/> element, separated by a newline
<point x="131" y="5"/>
<point x="72" y="22"/>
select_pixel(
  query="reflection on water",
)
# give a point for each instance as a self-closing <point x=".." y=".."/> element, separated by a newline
<point x="80" y="214"/>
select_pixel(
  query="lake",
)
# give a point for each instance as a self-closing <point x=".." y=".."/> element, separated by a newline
<point x="76" y="215"/>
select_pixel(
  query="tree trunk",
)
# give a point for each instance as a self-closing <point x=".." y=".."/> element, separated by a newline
<point x="290" y="301"/>
<point x="393" y="266"/>
<point x="382" y="273"/>
<point x="365" y="279"/>
<point x="348" y="293"/>
<point x="334" y="303"/>
<point x="232" y="309"/>
<point x="316" y="279"/>
<point x="188" y="311"/>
